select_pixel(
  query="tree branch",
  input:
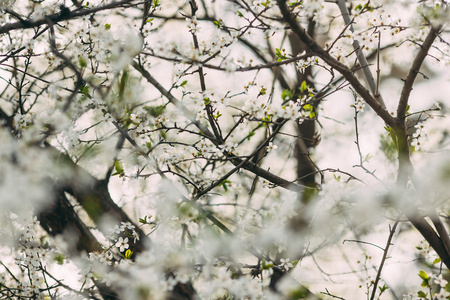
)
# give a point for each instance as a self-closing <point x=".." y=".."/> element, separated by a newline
<point x="361" y="57"/>
<point x="432" y="238"/>
<point x="312" y="45"/>
<point x="191" y="117"/>
<point x="413" y="71"/>
<point x="383" y="260"/>
<point x="58" y="17"/>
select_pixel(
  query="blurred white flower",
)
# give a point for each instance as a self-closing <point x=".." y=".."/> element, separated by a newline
<point x="439" y="280"/>
<point x="443" y="294"/>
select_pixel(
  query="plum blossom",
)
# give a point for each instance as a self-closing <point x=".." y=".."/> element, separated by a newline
<point x="86" y="274"/>
<point x="254" y="107"/>
<point x="359" y="105"/>
<point x="439" y="280"/>
<point x="72" y="137"/>
<point x="193" y="24"/>
<point x="122" y="244"/>
<point x="443" y="294"/>
<point x="271" y="147"/>
<point x="289" y="111"/>
<point x="285" y="264"/>
<point x="229" y="66"/>
<point x="419" y="136"/>
<point x="228" y="147"/>
<point x="303" y="64"/>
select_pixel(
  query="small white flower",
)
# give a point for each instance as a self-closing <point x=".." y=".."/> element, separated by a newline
<point x="359" y="105"/>
<point x="86" y="274"/>
<point x="264" y="183"/>
<point x="443" y="294"/>
<point x="420" y="126"/>
<point x="127" y="225"/>
<point x="122" y="244"/>
<point x="117" y="229"/>
<point x="439" y="280"/>
<point x="228" y="147"/>
<point x="416" y="144"/>
<point x="271" y="147"/>
<point x="29" y="45"/>
<point x="229" y="66"/>
<point x="408" y="296"/>
<point x="436" y="106"/>
<point x="285" y="264"/>
<point x="192" y="24"/>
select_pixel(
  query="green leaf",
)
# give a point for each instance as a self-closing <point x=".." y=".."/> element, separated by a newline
<point x="278" y="52"/>
<point x="266" y="266"/>
<point x="263" y="91"/>
<point x="217" y="23"/>
<point x="84" y="89"/>
<point x="183" y="83"/>
<point x="267" y="118"/>
<point x="250" y="134"/>
<point x="224" y="184"/>
<point x="82" y="61"/>
<point x="59" y="258"/>
<point x="422" y="294"/>
<point x="367" y="157"/>
<point x="368" y="7"/>
<point x="122" y="84"/>
<point x="119" y="168"/>
<point x="280" y="55"/>
<point x="308" y="107"/>
<point x="107" y="26"/>
<point x="299" y="293"/>
<point x="423" y="275"/>
<point x="303" y="86"/>
<point x="155" y="111"/>
<point x="437" y="260"/>
<point x="128" y="254"/>
<point x="426" y="279"/>
<point x="383" y="289"/>
<point x="286" y="95"/>
<point x="207" y="101"/>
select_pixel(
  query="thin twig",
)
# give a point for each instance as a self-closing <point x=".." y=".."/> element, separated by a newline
<point x="361" y="57"/>
<point x="383" y="259"/>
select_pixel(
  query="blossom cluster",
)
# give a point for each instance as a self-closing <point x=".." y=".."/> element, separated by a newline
<point x="108" y="117"/>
